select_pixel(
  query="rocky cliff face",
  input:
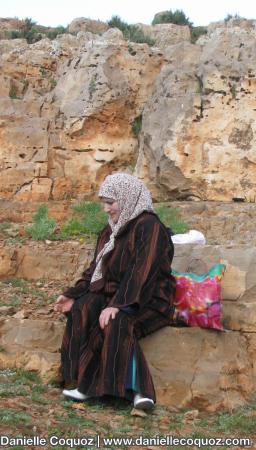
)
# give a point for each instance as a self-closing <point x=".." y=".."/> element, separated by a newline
<point x="68" y="106"/>
<point x="66" y="112"/>
<point x="198" y="132"/>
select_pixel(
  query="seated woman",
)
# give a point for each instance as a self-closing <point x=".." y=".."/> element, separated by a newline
<point x="125" y="294"/>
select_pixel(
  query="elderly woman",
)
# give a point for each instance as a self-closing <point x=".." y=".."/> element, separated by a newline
<point x="125" y="294"/>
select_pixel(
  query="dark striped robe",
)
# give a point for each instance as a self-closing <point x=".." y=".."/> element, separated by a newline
<point x="136" y="274"/>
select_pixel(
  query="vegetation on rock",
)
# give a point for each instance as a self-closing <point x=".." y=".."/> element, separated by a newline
<point x="136" y="125"/>
<point x="42" y="227"/>
<point x="34" y="33"/>
<point x="170" y="218"/>
<point x="177" y="17"/>
<point x="131" y="32"/>
<point x="88" y="220"/>
<point x="196" y="32"/>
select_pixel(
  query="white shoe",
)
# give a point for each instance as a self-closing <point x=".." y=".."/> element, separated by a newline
<point x="75" y="394"/>
<point x="141" y="402"/>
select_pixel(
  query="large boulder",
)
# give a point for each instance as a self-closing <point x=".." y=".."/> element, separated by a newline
<point x="85" y="24"/>
<point x="166" y="34"/>
<point x="201" y="369"/>
<point x="31" y="344"/>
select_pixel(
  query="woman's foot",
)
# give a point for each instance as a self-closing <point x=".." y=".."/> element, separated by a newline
<point x="141" y="402"/>
<point x="75" y="394"/>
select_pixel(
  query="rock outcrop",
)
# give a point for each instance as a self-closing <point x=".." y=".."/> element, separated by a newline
<point x="71" y="109"/>
<point x="166" y="34"/>
<point x="66" y="112"/>
<point x="84" y="24"/>
<point x="8" y="24"/>
<point x="198" y="128"/>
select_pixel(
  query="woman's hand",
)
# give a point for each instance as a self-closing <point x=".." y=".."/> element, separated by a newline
<point x="63" y="304"/>
<point x="106" y="314"/>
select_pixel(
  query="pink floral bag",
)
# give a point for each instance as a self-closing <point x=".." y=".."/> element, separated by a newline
<point x="197" y="298"/>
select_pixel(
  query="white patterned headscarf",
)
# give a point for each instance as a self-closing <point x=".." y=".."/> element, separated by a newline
<point x="133" y="198"/>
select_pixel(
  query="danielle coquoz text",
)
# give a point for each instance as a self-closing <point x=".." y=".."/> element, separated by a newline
<point x="142" y="441"/>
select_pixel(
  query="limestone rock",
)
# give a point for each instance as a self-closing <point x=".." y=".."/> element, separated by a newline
<point x="67" y="109"/>
<point x="66" y="260"/>
<point x="200" y="369"/>
<point x="8" y="24"/>
<point x="8" y="258"/>
<point x="31" y="344"/>
<point x="66" y="115"/>
<point x="84" y="24"/>
<point x="200" y="119"/>
<point x="166" y="34"/>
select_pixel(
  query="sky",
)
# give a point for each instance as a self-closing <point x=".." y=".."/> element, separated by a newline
<point x="61" y="12"/>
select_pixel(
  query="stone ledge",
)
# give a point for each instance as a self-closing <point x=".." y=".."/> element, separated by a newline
<point x="191" y="367"/>
<point x="64" y="261"/>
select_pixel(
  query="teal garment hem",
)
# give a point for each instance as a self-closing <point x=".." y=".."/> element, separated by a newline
<point x="134" y="374"/>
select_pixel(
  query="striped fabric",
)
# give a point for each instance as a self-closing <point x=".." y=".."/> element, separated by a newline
<point x="136" y="273"/>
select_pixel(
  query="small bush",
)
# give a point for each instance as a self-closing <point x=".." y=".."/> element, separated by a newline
<point x="177" y="17"/>
<point x="92" y="216"/>
<point x="196" y="32"/>
<point x="13" y="92"/>
<point x="116" y="22"/>
<point x="135" y="34"/>
<point x="136" y="125"/>
<point x="89" y="219"/>
<point x="43" y="227"/>
<point x="56" y="31"/>
<point x="53" y="83"/>
<point x="169" y="217"/>
<point x="231" y="16"/>
<point x="131" y="32"/>
<point x="74" y="227"/>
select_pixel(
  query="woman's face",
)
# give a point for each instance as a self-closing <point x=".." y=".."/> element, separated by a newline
<point x="111" y="207"/>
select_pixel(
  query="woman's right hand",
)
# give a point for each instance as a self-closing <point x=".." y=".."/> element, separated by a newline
<point x="63" y="304"/>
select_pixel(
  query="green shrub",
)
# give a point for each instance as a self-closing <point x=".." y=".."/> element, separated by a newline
<point x="13" y="92"/>
<point x="136" y="125"/>
<point x="28" y="32"/>
<point x="232" y="16"/>
<point x="131" y="32"/>
<point x="53" y="83"/>
<point x="135" y="34"/>
<point x="169" y="216"/>
<point x="56" y="31"/>
<point x="43" y="227"/>
<point x="196" y="32"/>
<point x="116" y="22"/>
<point x="92" y="216"/>
<point x="74" y="227"/>
<point x="89" y="219"/>
<point x="178" y="17"/>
